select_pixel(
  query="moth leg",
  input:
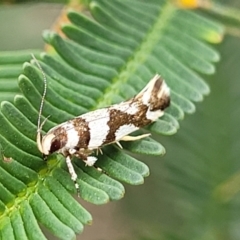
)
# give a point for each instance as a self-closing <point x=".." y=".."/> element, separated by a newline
<point x="72" y="173"/>
<point x="99" y="150"/>
<point x="134" y="138"/>
<point x="100" y="169"/>
<point x="118" y="143"/>
<point x="90" y="161"/>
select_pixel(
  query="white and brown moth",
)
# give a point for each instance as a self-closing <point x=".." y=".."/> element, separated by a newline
<point x="83" y="135"/>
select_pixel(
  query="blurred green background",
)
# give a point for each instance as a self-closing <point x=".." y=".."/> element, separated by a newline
<point x="193" y="191"/>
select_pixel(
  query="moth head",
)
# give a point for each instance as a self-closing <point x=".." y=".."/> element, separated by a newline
<point x="47" y="144"/>
<point x="55" y="140"/>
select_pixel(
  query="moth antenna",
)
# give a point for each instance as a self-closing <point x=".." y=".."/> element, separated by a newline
<point x="39" y="126"/>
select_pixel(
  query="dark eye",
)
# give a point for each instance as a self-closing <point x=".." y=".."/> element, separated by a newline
<point x="55" y="146"/>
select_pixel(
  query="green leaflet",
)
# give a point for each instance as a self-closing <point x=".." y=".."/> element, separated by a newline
<point x="101" y="62"/>
<point x="10" y="68"/>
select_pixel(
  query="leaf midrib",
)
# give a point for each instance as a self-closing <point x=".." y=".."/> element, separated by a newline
<point x="139" y="56"/>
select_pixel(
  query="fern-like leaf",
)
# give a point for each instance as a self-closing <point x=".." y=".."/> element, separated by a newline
<point x="102" y="61"/>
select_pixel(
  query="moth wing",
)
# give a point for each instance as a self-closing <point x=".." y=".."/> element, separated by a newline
<point x="102" y="124"/>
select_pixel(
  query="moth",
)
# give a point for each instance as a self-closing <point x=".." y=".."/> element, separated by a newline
<point x="87" y="133"/>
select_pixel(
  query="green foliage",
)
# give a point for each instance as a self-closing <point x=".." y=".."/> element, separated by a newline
<point x="196" y="185"/>
<point x="102" y="61"/>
